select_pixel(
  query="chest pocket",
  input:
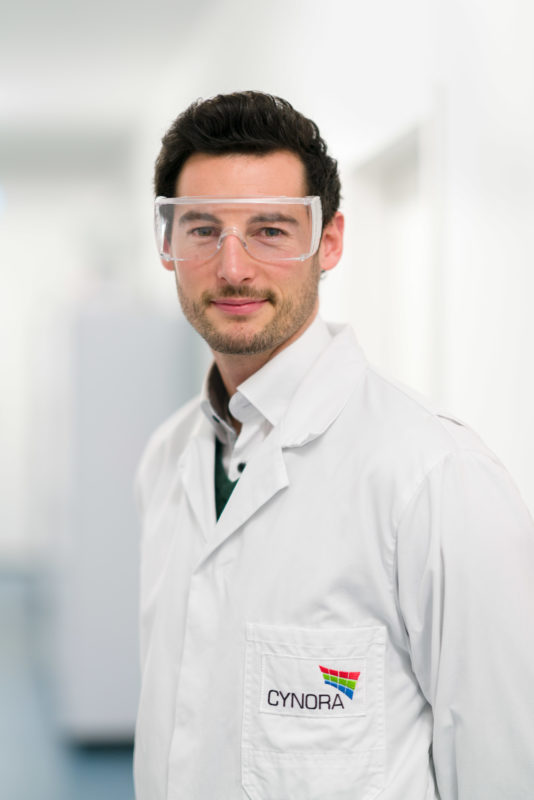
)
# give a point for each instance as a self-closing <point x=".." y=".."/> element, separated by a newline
<point x="313" y="726"/>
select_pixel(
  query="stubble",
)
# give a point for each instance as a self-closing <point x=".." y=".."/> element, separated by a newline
<point x="290" y="314"/>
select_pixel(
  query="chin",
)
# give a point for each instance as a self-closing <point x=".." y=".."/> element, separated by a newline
<point x="240" y="345"/>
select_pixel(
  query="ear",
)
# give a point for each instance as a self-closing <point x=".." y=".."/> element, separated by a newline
<point x="331" y="246"/>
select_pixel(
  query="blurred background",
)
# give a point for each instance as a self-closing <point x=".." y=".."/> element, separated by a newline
<point x="428" y="107"/>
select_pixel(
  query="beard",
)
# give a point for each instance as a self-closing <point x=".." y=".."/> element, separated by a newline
<point x="290" y="314"/>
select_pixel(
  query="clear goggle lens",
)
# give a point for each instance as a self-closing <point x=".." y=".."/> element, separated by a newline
<point x="271" y="229"/>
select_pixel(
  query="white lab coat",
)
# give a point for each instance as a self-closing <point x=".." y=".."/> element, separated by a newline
<point x="368" y="535"/>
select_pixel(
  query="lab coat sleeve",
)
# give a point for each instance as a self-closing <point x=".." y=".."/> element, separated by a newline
<point x="465" y="564"/>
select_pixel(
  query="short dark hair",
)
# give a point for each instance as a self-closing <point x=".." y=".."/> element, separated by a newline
<point x="248" y="122"/>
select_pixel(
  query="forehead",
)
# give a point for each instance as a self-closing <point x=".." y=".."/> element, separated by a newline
<point x="280" y="173"/>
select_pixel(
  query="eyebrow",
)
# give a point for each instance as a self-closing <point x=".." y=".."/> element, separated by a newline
<point x="195" y="216"/>
<point x="275" y="217"/>
<point x="204" y="216"/>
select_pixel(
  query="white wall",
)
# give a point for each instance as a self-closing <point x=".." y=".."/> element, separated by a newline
<point x="486" y="62"/>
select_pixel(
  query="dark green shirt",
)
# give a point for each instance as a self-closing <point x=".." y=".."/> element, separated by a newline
<point x="223" y="485"/>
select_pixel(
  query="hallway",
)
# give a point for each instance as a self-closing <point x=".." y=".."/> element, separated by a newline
<point x="36" y="761"/>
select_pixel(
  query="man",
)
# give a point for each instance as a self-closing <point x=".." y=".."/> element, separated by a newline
<point x="336" y="589"/>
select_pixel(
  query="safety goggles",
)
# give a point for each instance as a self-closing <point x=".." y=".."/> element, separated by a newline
<point x="270" y="229"/>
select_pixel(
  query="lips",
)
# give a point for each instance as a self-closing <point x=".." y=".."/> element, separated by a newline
<point x="239" y="305"/>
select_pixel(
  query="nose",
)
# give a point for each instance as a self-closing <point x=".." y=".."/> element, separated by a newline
<point x="234" y="264"/>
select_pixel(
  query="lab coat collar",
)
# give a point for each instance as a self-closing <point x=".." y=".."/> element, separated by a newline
<point x="326" y="363"/>
<point x="325" y="390"/>
<point x="320" y="398"/>
<point x="270" y="389"/>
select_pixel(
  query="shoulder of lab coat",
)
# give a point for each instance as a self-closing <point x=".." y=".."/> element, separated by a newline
<point x="164" y="448"/>
<point x="464" y="567"/>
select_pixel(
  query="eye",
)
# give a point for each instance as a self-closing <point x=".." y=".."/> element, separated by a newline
<point x="203" y="232"/>
<point x="272" y="233"/>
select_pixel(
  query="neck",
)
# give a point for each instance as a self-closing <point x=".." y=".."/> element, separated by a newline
<point x="235" y="368"/>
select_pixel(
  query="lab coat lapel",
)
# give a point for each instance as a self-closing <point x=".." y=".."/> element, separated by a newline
<point x="264" y="476"/>
<point x="197" y="467"/>
<point x="315" y="406"/>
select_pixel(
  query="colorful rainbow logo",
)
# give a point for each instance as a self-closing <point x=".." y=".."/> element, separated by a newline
<point x="343" y="681"/>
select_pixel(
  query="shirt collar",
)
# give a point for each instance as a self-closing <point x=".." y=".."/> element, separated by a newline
<point x="268" y="391"/>
<point x="214" y="404"/>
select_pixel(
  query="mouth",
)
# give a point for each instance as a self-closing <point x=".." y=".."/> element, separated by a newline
<point x="239" y="306"/>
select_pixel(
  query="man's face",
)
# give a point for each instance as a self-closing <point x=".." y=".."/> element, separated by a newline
<point x="237" y="304"/>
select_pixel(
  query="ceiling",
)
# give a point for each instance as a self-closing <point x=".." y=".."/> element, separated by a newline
<point x="68" y="63"/>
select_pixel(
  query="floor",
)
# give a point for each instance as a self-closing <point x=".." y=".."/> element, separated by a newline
<point x="36" y="762"/>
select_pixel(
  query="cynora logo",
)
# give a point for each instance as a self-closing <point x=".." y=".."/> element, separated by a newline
<point x="343" y="681"/>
